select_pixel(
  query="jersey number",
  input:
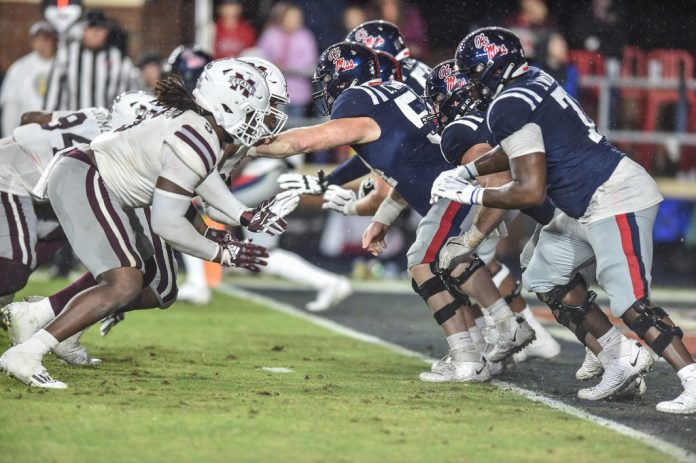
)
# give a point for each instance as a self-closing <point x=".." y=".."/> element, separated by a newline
<point x="565" y="100"/>
<point x="404" y="103"/>
<point x="68" y="122"/>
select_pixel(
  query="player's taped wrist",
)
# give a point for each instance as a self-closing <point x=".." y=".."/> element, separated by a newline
<point x="469" y="170"/>
<point x="473" y="237"/>
<point x="388" y="211"/>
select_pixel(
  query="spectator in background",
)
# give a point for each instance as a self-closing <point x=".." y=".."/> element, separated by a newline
<point x="233" y="34"/>
<point x="24" y="86"/>
<point x="558" y="64"/>
<point x="410" y="22"/>
<point x="600" y="30"/>
<point x="150" y="65"/>
<point x="533" y="25"/>
<point x="353" y="16"/>
<point x="292" y="47"/>
<point x="88" y="69"/>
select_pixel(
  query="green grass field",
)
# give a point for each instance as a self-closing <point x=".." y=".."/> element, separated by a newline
<point x="187" y="385"/>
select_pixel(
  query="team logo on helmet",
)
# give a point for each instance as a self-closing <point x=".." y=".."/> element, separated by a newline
<point x="446" y="74"/>
<point x="340" y="63"/>
<point x="246" y="86"/>
<point x="368" y="40"/>
<point x="481" y="41"/>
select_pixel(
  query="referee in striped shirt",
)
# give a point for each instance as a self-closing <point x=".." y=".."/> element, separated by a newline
<point x="89" y="69"/>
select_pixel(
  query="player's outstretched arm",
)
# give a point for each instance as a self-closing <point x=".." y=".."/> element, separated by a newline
<point x="331" y="134"/>
<point x="527" y="188"/>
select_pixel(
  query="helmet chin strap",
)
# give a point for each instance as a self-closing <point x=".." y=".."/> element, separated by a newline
<point x="510" y="73"/>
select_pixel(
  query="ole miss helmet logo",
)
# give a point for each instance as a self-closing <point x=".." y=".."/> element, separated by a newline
<point x="246" y="86"/>
<point x="370" y="41"/>
<point x="446" y="74"/>
<point x="492" y="50"/>
<point x="340" y="63"/>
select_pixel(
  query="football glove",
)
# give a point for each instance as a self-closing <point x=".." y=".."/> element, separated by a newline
<point x="243" y="254"/>
<point x="219" y="236"/>
<point x="303" y="184"/>
<point x="367" y="186"/>
<point x="459" y="172"/>
<point x="267" y="217"/>
<point x="457" y="190"/>
<point x="340" y="200"/>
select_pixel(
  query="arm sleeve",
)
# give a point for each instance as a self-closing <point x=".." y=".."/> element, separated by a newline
<point x="225" y="207"/>
<point x="526" y="140"/>
<point x="175" y="170"/>
<point x="355" y="102"/>
<point x="350" y="170"/>
<point x="170" y="223"/>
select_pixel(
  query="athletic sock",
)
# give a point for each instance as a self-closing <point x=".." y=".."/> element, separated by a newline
<point x="41" y="342"/>
<point x="60" y="299"/>
<point x="502" y="315"/>
<point x="481" y="323"/>
<point x="477" y="338"/>
<point x="461" y="346"/>
<point x="610" y="338"/>
<point x="687" y="376"/>
<point x="528" y="315"/>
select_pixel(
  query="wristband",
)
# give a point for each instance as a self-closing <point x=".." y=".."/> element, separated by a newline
<point x="477" y="196"/>
<point x="388" y="211"/>
<point x="471" y="170"/>
<point x="350" y="208"/>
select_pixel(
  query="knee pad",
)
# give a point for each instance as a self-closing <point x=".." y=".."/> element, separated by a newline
<point x="433" y="286"/>
<point x="15" y="276"/>
<point x="652" y="317"/>
<point x="567" y="313"/>
<point x="453" y="282"/>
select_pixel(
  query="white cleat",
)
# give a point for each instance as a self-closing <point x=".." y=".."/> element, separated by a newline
<point x="633" y="391"/>
<point x="194" y="294"/>
<point x="73" y="353"/>
<point x="27" y="368"/>
<point x="108" y="322"/>
<point x="684" y="404"/>
<point x="622" y="363"/>
<point x="519" y="337"/>
<point x="474" y="371"/>
<point x="543" y="347"/>
<point x="442" y="365"/>
<point x="590" y="367"/>
<point x="331" y="295"/>
<point x="24" y="318"/>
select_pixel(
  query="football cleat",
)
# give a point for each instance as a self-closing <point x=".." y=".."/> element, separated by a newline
<point x="590" y="367"/>
<point x="472" y="371"/>
<point x="331" y="295"/>
<point x="27" y="367"/>
<point x="25" y="318"/>
<point x="108" y="322"/>
<point x="543" y="347"/>
<point x="73" y="353"/>
<point x="519" y="337"/>
<point x="633" y="391"/>
<point x="623" y="363"/>
<point x="685" y="403"/>
<point x="442" y="365"/>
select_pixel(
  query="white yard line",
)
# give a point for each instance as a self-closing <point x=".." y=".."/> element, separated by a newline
<point x="663" y="446"/>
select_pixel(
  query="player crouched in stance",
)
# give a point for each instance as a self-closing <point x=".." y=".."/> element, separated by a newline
<point x="383" y="123"/>
<point x="159" y="162"/>
<point x="608" y="205"/>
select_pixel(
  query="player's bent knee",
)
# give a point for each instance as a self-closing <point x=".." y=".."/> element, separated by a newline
<point x="463" y="270"/>
<point x="566" y="309"/>
<point x="125" y="284"/>
<point x="640" y="317"/>
<point x="14" y="276"/>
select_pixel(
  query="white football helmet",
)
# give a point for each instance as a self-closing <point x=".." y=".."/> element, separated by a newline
<point x="131" y="106"/>
<point x="278" y="87"/>
<point x="237" y="95"/>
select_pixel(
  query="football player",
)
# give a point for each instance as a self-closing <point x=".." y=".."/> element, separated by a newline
<point x="608" y="206"/>
<point x="383" y="123"/>
<point x="160" y="161"/>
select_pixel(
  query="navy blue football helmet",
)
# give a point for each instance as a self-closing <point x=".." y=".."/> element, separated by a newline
<point x="341" y="66"/>
<point x="449" y="95"/>
<point x="188" y="63"/>
<point x="490" y="57"/>
<point x="389" y="67"/>
<point x="380" y="35"/>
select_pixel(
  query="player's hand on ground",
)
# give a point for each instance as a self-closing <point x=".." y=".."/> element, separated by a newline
<point x="303" y="184"/>
<point x="340" y="200"/>
<point x="267" y="217"/>
<point x="456" y="189"/>
<point x="459" y="172"/>
<point x="373" y="238"/>
<point x="243" y="254"/>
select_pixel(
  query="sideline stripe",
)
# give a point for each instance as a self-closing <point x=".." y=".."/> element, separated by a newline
<point x="665" y="447"/>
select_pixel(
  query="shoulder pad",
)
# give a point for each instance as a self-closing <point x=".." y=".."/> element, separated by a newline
<point x="195" y="143"/>
<point x="510" y="111"/>
<point x="355" y="102"/>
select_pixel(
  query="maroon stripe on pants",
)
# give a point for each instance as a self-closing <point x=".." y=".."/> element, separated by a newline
<point x="25" y="228"/>
<point x="14" y="234"/>
<point x="119" y="224"/>
<point x="99" y="215"/>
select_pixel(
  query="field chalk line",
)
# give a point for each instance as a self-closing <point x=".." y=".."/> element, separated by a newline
<point x="661" y="445"/>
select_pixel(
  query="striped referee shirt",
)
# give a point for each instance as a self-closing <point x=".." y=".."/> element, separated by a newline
<point x="83" y="78"/>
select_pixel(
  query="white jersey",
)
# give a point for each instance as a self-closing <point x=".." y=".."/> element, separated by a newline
<point x="25" y="155"/>
<point x="130" y="159"/>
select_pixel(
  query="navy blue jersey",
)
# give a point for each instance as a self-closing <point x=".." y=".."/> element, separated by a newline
<point x="578" y="159"/>
<point x="462" y="134"/>
<point x="406" y="154"/>
<point x="414" y="74"/>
